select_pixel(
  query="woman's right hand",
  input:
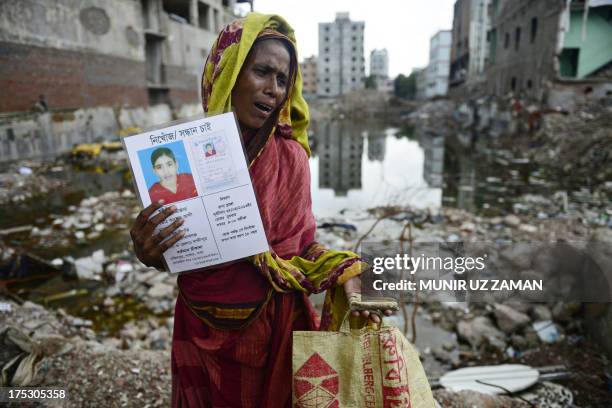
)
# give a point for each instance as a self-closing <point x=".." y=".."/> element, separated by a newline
<point x="150" y="247"/>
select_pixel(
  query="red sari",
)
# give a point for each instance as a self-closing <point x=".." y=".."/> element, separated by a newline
<point x="232" y="334"/>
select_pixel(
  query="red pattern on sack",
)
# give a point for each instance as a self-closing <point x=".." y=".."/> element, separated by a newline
<point x="316" y="384"/>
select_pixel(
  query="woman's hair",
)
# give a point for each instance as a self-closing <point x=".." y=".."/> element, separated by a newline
<point x="162" y="151"/>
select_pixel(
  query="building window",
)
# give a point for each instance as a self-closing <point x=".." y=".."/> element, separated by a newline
<point x="568" y="62"/>
<point x="517" y="38"/>
<point x="326" y="59"/>
<point x="327" y="28"/>
<point x="354" y="38"/>
<point x="513" y="84"/>
<point x="326" y="39"/>
<point x="354" y="59"/>
<point x="353" y="79"/>
<point x="534" y="28"/>
<point x="326" y="49"/>
<point x="529" y="84"/>
<point x="204" y="16"/>
<point x="326" y="79"/>
<point x="354" y="28"/>
<point x="507" y="40"/>
<point x="354" y="48"/>
<point x="326" y="90"/>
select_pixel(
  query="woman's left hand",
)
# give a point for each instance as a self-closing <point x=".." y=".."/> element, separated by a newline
<point x="353" y="285"/>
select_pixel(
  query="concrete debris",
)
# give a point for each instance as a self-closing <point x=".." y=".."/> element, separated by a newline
<point x="510" y="320"/>
<point x="480" y="330"/>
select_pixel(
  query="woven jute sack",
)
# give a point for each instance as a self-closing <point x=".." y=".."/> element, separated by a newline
<point x="358" y="369"/>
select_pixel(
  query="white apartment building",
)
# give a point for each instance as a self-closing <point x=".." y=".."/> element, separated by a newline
<point x="439" y="64"/>
<point x="379" y="63"/>
<point x="341" y="64"/>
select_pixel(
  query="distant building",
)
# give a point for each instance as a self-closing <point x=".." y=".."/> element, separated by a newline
<point x="421" y="82"/>
<point x="379" y="70"/>
<point x="439" y="64"/>
<point x="107" y="52"/>
<point x="309" y="75"/>
<point x="341" y="64"/>
<point x="379" y="63"/>
<point x="469" y="42"/>
<point x="550" y="51"/>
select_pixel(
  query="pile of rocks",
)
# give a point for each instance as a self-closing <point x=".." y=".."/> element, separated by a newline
<point x="22" y="183"/>
<point x="71" y="358"/>
<point x="110" y="212"/>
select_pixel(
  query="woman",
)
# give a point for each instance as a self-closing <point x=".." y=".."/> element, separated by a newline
<point x="232" y="327"/>
<point x="172" y="186"/>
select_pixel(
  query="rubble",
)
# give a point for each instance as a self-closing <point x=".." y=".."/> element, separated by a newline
<point x="510" y="320"/>
<point x="19" y="185"/>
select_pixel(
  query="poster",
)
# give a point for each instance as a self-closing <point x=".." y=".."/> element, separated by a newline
<point x="200" y="167"/>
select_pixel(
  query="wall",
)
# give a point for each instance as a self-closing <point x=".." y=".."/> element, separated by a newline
<point x="532" y="63"/>
<point x="34" y="135"/>
<point x="595" y="50"/>
<point x="68" y="79"/>
<point x="47" y="48"/>
<point x="108" y="27"/>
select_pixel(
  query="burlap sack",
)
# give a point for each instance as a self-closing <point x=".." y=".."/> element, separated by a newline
<point x="357" y="369"/>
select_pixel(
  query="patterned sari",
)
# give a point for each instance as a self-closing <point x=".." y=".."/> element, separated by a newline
<point x="232" y="327"/>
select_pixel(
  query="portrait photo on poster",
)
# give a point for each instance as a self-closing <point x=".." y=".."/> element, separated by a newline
<point x="167" y="172"/>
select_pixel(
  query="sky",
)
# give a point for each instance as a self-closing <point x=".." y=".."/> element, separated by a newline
<point x="403" y="27"/>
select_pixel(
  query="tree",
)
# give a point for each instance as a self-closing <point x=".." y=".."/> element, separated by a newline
<point x="370" y="82"/>
<point x="405" y="86"/>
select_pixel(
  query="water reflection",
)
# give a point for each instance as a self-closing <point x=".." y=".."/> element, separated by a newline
<point x="361" y="166"/>
<point x="339" y="157"/>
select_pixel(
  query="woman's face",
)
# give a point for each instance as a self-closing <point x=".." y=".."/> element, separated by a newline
<point x="166" y="169"/>
<point x="262" y="83"/>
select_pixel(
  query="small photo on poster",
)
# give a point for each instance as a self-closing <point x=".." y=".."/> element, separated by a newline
<point x="167" y="173"/>
<point x="213" y="161"/>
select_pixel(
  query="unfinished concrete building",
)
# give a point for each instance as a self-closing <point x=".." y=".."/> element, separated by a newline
<point x="469" y="43"/>
<point x="552" y="51"/>
<point x="106" y="53"/>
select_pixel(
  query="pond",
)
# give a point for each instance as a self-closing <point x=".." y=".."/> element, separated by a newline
<point x="365" y="165"/>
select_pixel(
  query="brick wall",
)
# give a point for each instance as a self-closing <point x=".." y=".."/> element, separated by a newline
<point x="183" y="86"/>
<point x="68" y="79"/>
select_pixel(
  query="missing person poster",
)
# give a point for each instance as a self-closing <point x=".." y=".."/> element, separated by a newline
<point x="200" y="167"/>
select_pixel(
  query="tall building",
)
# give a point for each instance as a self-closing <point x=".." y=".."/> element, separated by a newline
<point x="341" y="64"/>
<point x="309" y="75"/>
<point x="550" y="51"/>
<point x="469" y="41"/>
<point x="439" y="64"/>
<point x="421" y="82"/>
<point x="107" y="52"/>
<point x="379" y="63"/>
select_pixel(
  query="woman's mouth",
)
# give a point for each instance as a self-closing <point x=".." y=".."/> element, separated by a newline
<point x="263" y="108"/>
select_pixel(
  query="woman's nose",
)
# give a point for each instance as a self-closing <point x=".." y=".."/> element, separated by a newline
<point x="272" y="88"/>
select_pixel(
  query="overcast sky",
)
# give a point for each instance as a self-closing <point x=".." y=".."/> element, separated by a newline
<point x="403" y="27"/>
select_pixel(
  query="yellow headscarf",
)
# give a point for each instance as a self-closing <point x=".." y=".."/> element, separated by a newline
<point x="227" y="57"/>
